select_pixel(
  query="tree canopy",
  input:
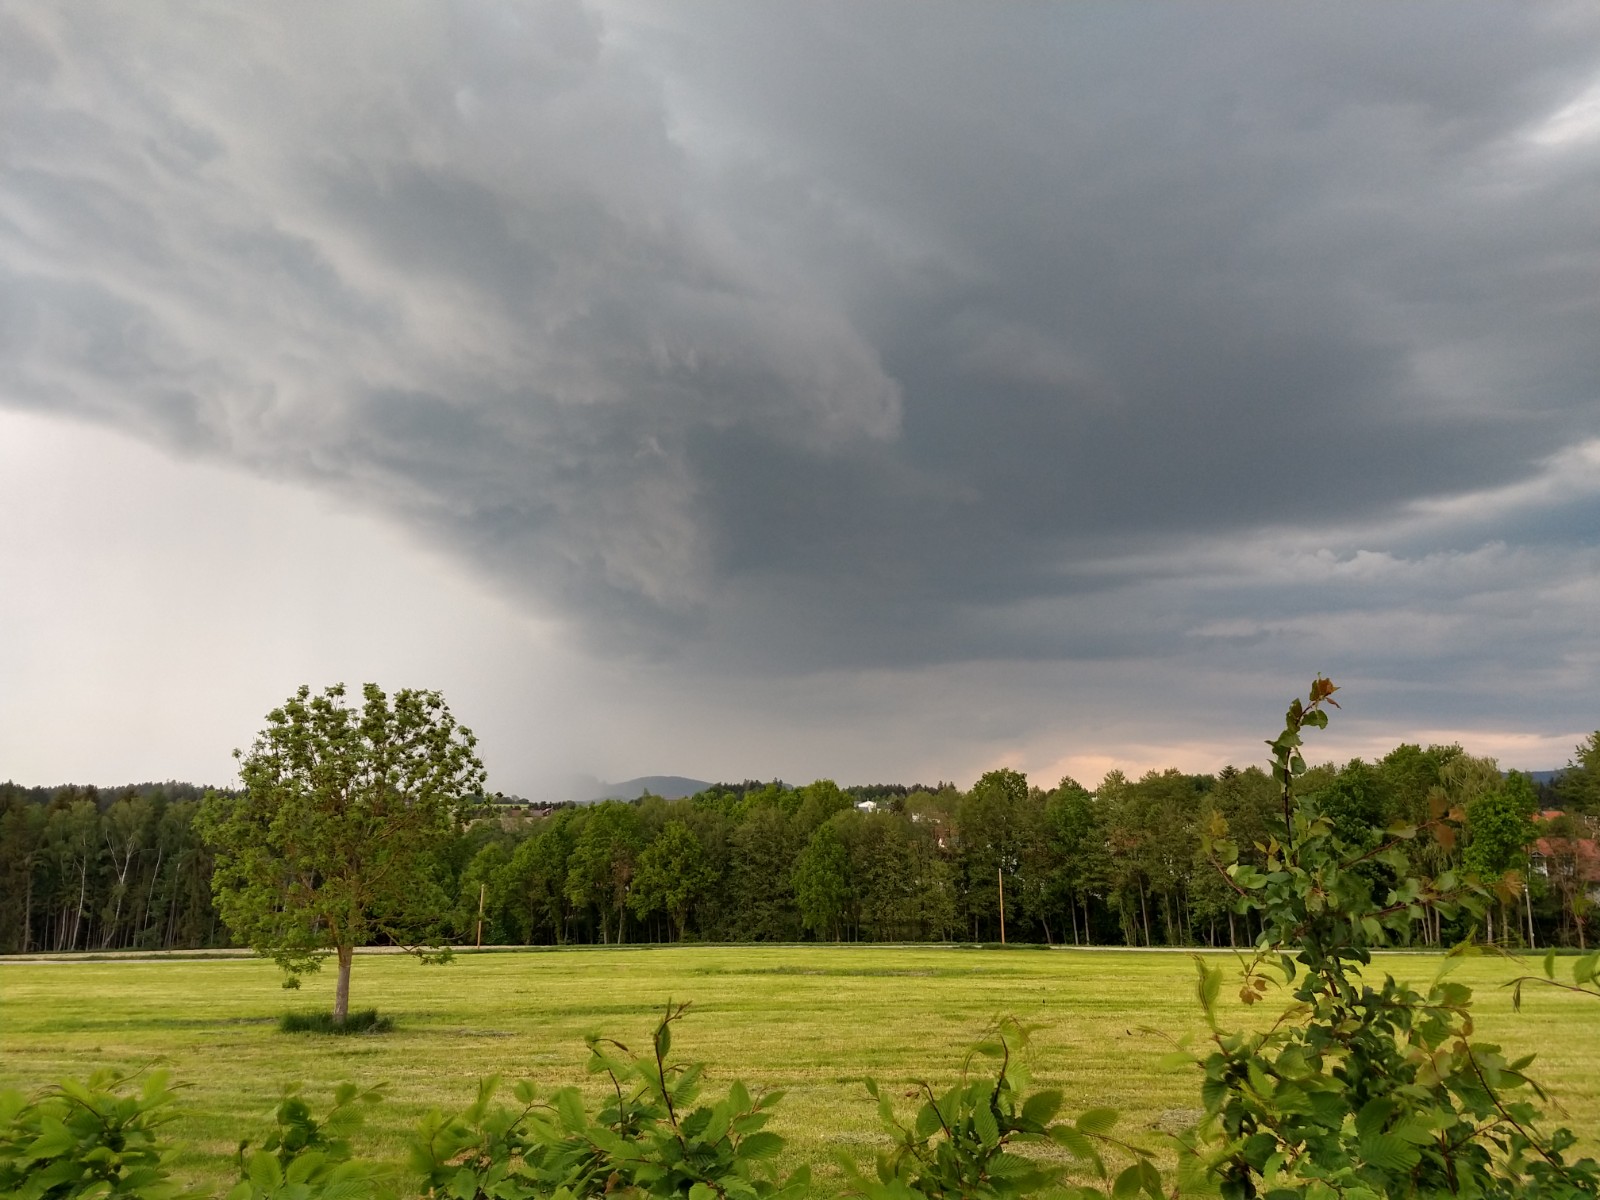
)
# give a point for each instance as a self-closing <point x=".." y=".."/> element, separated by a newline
<point x="1579" y="785"/>
<point x="333" y="842"/>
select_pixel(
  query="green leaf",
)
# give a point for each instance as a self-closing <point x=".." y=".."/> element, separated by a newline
<point x="760" y="1145"/>
<point x="985" y="1126"/>
<point x="263" y="1172"/>
<point x="1008" y="1166"/>
<point x="1149" y="1178"/>
<point x="768" y="1099"/>
<point x="1208" y="986"/>
<point x="302" y="1167"/>
<point x="1128" y="1183"/>
<point x="1097" y="1120"/>
<point x="1388" y="1152"/>
<point x="749" y="1123"/>
<point x="569" y="1105"/>
<point x="1075" y="1143"/>
<point x="55" y="1139"/>
<point x="695" y="1124"/>
<point x="717" y="1127"/>
<point x="1416" y="1130"/>
<point x="1373" y="1115"/>
<point x="1041" y="1107"/>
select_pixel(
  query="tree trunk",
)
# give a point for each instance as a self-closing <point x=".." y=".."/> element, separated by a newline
<point x="121" y="889"/>
<point x="83" y="892"/>
<point x="150" y="896"/>
<point x="110" y="930"/>
<point x="341" y="991"/>
<point x="1000" y="883"/>
<point x="1144" y="911"/>
<point x="27" y="913"/>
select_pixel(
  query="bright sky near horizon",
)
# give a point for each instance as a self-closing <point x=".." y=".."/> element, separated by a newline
<point x="875" y="391"/>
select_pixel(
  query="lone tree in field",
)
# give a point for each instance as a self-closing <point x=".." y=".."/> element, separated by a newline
<point x="333" y="843"/>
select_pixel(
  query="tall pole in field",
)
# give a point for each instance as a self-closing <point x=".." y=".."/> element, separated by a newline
<point x="1527" y="903"/>
<point x="1000" y="875"/>
<point x="482" y="887"/>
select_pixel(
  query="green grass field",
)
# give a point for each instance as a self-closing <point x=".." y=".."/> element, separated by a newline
<point x="809" y="1020"/>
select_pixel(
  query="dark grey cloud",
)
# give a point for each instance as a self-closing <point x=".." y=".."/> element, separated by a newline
<point x="790" y="340"/>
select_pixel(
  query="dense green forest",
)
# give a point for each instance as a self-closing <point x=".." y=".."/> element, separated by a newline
<point x="87" y="869"/>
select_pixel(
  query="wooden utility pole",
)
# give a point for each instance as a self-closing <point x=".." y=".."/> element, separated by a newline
<point x="999" y="874"/>
<point x="482" y="887"/>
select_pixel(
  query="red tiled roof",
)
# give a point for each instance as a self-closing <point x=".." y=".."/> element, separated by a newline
<point x="1584" y="852"/>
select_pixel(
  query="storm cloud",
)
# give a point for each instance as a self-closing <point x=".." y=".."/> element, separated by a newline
<point x="1228" y="342"/>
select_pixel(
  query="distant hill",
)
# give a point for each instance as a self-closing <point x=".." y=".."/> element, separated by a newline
<point x="669" y="787"/>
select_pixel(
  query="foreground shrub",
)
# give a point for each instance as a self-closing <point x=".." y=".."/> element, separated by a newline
<point x="98" y="1137"/>
<point x="972" y="1139"/>
<point x="1358" y="1090"/>
<point x="652" y="1137"/>
<point x="304" y="1158"/>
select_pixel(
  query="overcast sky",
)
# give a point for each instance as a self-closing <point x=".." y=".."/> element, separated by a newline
<point x="866" y="391"/>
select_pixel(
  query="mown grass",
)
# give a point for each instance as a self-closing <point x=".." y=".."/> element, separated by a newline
<point x="809" y="1020"/>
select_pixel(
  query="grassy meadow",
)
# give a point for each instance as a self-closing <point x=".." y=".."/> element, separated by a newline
<point x="808" y="1019"/>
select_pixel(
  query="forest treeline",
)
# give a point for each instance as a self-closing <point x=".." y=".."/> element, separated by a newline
<point x="87" y="869"/>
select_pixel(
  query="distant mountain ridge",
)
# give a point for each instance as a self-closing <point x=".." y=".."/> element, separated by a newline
<point x="668" y="787"/>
